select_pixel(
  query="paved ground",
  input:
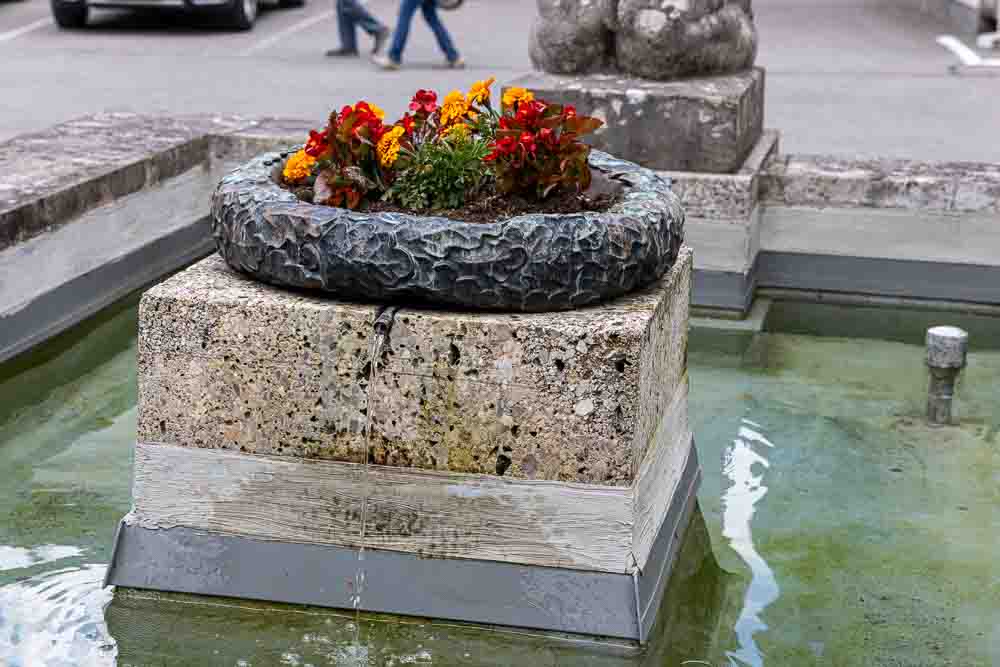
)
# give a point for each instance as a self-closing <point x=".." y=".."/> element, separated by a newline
<point x="844" y="76"/>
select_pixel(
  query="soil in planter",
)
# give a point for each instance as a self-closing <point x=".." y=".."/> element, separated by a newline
<point x="496" y="207"/>
<point x="602" y="194"/>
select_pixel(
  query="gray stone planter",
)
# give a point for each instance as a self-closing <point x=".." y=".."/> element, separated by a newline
<point x="525" y="263"/>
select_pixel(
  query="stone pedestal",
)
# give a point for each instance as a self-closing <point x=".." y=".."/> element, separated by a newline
<point x="533" y="470"/>
<point x="701" y="124"/>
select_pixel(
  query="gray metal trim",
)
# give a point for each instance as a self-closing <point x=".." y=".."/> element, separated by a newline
<point x="554" y="599"/>
<point x="876" y="276"/>
<point x="668" y="542"/>
<point x="879" y="276"/>
<point x="730" y="290"/>
<point x="543" y="598"/>
<point x="83" y="296"/>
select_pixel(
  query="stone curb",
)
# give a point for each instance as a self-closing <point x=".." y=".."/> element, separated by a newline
<point x="823" y="180"/>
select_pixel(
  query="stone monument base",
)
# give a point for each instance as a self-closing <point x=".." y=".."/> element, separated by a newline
<point x="529" y="470"/>
<point x="702" y="124"/>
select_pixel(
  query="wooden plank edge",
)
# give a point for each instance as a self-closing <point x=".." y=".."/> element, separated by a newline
<point x="429" y="513"/>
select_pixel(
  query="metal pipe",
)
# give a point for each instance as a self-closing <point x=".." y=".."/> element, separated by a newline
<point x="946" y="357"/>
<point x="383" y="322"/>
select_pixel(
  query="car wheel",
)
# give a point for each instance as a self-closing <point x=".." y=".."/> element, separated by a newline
<point x="70" y="14"/>
<point x="242" y="14"/>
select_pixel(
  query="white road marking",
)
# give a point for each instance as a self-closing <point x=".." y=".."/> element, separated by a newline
<point x="17" y="32"/>
<point x="290" y="30"/>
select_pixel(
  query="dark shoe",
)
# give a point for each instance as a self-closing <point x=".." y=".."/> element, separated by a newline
<point x="457" y="63"/>
<point x="342" y="53"/>
<point x="381" y="37"/>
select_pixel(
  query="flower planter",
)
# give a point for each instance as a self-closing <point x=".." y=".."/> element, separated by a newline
<point x="531" y="469"/>
<point x="537" y="262"/>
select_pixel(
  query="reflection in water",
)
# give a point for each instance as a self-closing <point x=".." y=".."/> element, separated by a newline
<point x="56" y="620"/>
<point x="739" y="502"/>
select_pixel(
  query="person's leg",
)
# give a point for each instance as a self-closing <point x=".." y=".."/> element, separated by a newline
<point x="345" y="20"/>
<point x="363" y="17"/>
<point x="429" y="8"/>
<point x="407" y="8"/>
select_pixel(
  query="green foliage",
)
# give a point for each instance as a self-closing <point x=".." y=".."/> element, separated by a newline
<point x="441" y="174"/>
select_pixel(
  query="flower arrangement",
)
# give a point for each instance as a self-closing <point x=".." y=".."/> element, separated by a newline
<point x="444" y="155"/>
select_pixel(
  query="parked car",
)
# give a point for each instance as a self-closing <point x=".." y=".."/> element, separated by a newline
<point x="238" y="14"/>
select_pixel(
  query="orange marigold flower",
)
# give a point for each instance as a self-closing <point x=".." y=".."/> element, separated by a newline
<point x="454" y="108"/>
<point x="388" y="146"/>
<point x="480" y="91"/>
<point x="512" y="96"/>
<point x="298" y="167"/>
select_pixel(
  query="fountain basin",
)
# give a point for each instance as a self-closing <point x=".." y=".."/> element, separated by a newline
<point x="532" y="262"/>
<point x="531" y="470"/>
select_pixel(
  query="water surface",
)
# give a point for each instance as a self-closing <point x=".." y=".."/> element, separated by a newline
<point x="847" y="531"/>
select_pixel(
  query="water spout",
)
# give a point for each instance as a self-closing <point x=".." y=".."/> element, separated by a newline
<point x="946" y="354"/>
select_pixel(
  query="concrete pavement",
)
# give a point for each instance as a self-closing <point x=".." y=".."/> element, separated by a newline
<point x="848" y="77"/>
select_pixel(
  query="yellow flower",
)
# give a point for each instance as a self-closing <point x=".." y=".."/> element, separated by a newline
<point x="454" y="108"/>
<point x="299" y="167"/>
<point x="388" y="146"/>
<point x="377" y="111"/>
<point x="480" y="91"/>
<point x="512" y="96"/>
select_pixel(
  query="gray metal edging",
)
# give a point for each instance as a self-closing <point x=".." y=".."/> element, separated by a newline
<point x="728" y="290"/>
<point x="83" y="296"/>
<point x="879" y="276"/>
<point x="668" y="542"/>
<point x="875" y="276"/>
<point x="553" y="599"/>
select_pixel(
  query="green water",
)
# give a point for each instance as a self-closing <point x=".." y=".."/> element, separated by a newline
<point x="847" y="531"/>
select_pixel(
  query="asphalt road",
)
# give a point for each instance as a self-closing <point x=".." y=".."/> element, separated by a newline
<point x="851" y="77"/>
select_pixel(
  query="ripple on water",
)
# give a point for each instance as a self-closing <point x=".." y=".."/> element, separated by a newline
<point x="17" y="558"/>
<point x="56" y="619"/>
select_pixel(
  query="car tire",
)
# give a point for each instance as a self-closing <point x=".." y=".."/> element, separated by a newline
<point x="242" y="14"/>
<point x="69" y="14"/>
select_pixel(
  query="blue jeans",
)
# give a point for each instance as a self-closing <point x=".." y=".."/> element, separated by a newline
<point x="407" y="9"/>
<point x="351" y="13"/>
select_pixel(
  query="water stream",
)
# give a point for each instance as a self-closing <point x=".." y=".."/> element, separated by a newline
<point x="380" y="334"/>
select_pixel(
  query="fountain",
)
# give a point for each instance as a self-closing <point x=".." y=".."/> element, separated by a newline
<point x="522" y="459"/>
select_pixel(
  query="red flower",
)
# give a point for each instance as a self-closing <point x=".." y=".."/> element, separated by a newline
<point x="502" y="146"/>
<point x="547" y="136"/>
<point x="527" y="141"/>
<point x="529" y="113"/>
<point x="424" y="101"/>
<point x="569" y="111"/>
<point x="344" y="113"/>
<point x="407" y="122"/>
<point x="317" y="144"/>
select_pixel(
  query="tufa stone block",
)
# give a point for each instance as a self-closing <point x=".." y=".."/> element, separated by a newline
<point x="703" y="124"/>
<point x="227" y="362"/>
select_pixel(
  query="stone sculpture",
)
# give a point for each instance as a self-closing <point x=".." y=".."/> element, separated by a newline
<point x="652" y="39"/>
